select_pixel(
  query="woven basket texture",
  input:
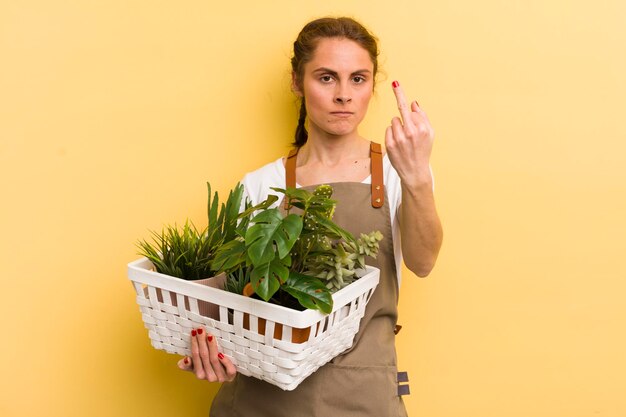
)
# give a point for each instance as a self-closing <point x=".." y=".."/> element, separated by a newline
<point x="172" y="307"/>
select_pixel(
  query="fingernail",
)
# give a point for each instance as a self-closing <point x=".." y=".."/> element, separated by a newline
<point x="199" y="331"/>
<point x="210" y="338"/>
<point x="193" y="332"/>
<point x="395" y="84"/>
<point x="417" y="103"/>
<point x="186" y="360"/>
<point x="220" y="355"/>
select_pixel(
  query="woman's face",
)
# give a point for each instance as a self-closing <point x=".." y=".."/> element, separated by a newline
<point x="337" y="86"/>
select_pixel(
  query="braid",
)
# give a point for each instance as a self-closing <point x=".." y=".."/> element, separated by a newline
<point x="301" y="134"/>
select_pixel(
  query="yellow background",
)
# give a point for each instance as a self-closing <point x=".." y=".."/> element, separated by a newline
<point x="113" y="115"/>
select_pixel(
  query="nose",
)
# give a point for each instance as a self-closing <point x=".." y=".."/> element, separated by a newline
<point x="342" y="95"/>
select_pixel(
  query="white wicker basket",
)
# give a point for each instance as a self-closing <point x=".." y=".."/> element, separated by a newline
<point x="172" y="307"/>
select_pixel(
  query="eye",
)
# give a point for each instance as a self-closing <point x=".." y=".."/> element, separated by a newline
<point x="326" y="78"/>
<point x="358" y="79"/>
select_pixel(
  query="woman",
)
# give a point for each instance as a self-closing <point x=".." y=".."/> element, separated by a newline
<point x="333" y="72"/>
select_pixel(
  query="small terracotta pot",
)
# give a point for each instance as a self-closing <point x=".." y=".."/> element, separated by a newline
<point x="248" y="290"/>
<point x="205" y="308"/>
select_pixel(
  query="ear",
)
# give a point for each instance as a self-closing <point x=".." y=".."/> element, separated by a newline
<point x="294" y="85"/>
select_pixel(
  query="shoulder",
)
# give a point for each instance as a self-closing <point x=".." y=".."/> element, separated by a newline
<point x="258" y="183"/>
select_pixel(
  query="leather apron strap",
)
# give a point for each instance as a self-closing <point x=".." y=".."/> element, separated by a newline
<point x="376" y="169"/>
<point x="290" y="172"/>
<point x="376" y="172"/>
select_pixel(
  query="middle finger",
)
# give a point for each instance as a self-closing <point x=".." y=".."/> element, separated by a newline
<point x="403" y="107"/>
<point x="215" y="362"/>
<point x="198" y="369"/>
<point x="204" y="356"/>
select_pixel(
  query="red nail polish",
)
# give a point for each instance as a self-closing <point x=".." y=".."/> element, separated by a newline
<point x="186" y="361"/>
<point x="395" y="84"/>
<point x="210" y="338"/>
<point x="220" y="355"/>
<point x="193" y="332"/>
<point x="199" y="331"/>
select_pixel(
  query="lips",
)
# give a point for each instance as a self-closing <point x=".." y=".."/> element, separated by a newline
<point x="341" y="114"/>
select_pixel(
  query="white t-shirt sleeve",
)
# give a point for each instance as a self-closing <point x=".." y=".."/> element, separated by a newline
<point x="258" y="184"/>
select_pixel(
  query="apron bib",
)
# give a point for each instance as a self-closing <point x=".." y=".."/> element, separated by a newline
<point x="362" y="381"/>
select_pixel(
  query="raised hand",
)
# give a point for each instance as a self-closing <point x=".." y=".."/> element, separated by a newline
<point x="409" y="141"/>
<point x="206" y="361"/>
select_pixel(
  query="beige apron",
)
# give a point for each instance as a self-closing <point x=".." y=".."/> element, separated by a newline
<point x="362" y="381"/>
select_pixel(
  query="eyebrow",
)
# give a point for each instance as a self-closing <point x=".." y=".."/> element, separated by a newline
<point x="334" y="73"/>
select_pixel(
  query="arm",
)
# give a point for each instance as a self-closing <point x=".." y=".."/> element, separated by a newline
<point x="420" y="227"/>
<point x="409" y="143"/>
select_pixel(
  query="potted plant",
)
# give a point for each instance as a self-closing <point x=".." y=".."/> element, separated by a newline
<point x="187" y="252"/>
<point x="296" y="260"/>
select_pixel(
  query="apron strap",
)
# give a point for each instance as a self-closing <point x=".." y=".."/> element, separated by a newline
<point x="376" y="167"/>
<point x="376" y="170"/>
<point x="290" y="172"/>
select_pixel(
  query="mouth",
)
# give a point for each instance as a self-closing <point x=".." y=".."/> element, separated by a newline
<point x="341" y="114"/>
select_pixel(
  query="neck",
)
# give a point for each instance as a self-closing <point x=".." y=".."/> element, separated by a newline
<point x="332" y="150"/>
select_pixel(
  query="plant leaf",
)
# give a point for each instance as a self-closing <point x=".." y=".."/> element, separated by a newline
<point x="271" y="199"/>
<point x="297" y="193"/>
<point x="331" y="227"/>
<point x="267" y="278"/>
<point x="231" y="210"/>
<point x="309" y="291"/>
<point x="212" y="207"/>
<point x="271" y="228"/>
<point x="229" y="255"/>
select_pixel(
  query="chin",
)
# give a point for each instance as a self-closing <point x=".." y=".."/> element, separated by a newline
<point x="343" y="128"/>
<point x="340" y="133"/>
<point x="340" y="130"/>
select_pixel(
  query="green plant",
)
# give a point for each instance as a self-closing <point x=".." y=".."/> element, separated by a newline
<point x="297" y="254"/>
<point x="183" y="253"/>
<point x="236" y="281"/>
<point x="337" y="266"/>
<point x="188" y="252"/>
<point x="325" y="250"/>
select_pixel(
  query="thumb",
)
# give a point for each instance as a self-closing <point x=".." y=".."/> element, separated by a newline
<point x="185" y="364"/>
<point x="389" y="139"/>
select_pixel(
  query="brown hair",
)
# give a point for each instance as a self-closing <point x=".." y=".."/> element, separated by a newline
<point x="306" y="43"/>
